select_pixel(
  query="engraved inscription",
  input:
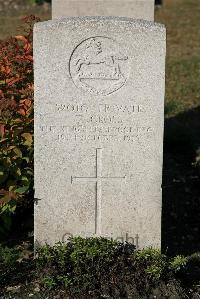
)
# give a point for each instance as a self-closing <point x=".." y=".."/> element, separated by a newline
<point x="102" y="108"/>
<point x="98" y="179"/>
<point x="98" y="123"/>
<point x="81" y="133"/>
<point x="98" y="66"/>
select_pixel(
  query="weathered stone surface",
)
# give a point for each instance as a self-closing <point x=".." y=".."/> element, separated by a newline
<point x="137" y="9"/>
<point x="99" y="101"/>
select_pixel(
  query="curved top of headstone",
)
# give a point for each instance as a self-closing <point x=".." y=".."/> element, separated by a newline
<point x="101" y="19"/>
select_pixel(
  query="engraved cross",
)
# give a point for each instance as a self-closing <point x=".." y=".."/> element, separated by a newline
<point x="98" y="179"/>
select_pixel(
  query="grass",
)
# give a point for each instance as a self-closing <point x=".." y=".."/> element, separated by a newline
<point x="10" y="23"/>
<point x="183" y="88"/>
<point x="181" y="18"/>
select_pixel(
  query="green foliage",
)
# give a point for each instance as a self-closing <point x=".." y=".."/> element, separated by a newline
<point x="49" y="282"/>
<point x="148" y="254"/>
<point x="83" y="265"/>
<point x="16" y="122"/>
<point x="192" y="268"/>
<point x="55" y="256"/>
<point x="153" y="262"/>
<point x="16" y="264"/>
<point x="8" y="257"/>
<point x="90" y="249"/>
<point x="98" y="267"/>
<point x="171" y="107"/>
<point x="177" y="263"/>
<point x="182" y="93"/>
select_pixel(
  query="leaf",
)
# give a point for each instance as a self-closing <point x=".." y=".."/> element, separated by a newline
<point x="8" y="161"/>
<point x="18" y="152"/>
<point x="12" y="81"/>
<point x="18" y="172"/>
<point x="27" y="159"/>
<point x="3" y="201"/>
<point x="30" y="172"/>
<point x="30" y="58"/>
<point x="11" y="188"/>
<point x="25" y="180"/>
<point x="29" y="139"/>
<point x="2" y="130"/>
<point x="6" y="69"/>
<point x="21" y="38"/>
<point x="11" y="147"/>
<point x="22" y="190"/>
<point x="27" y="47"/>
<point x="12" y="208"/>
<point x="4" y="139"/>
<point x="18" y="120"/>
<point x="28" y="103"/>
<point x="7" y="196"/>
<point x="21" y="112"/>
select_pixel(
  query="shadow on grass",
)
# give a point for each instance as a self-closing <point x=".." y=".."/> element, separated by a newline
<point x="181" y="184"/>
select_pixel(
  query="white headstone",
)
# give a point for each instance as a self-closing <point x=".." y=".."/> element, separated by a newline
<point x="99" y="101"/>
<point x="137" y="9"/>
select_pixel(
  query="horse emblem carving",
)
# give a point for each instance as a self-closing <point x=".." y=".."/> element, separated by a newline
<point x="96" y="66"/>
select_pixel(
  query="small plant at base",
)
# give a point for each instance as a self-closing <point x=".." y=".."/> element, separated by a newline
<point x="84" y="266"/>
<point x="49" y="282"/>
<point x="153" y="262"/>
<point x="177" y="263"/>
<point x="8" y="257"/>
<point x="65" y="280"/>
<point x="99" y="267"/>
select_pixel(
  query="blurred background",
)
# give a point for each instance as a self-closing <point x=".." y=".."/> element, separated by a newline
<point x="12" y="11"/>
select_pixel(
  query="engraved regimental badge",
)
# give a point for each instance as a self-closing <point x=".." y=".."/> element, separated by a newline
<point x="98" y="65"/>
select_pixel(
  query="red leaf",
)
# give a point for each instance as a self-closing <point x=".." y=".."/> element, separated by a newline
<point x="12" y="81"/>
<point x="6" y="69"/>
<point x="27" y="47"/>
<point x="7" y="196"/>
<point x="28" y="103"/>
<point x="22" y="112"/>
<point x="2" y="130"/>
<point x="29" y="57"/>
<point x="21" y="38"/>
<point x="1" y="93"/>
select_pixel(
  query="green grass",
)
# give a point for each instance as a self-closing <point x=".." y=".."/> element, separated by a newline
<point x="182" y="85"/>
<point x="182" y="21"/>
<point x="10" y="23"/>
